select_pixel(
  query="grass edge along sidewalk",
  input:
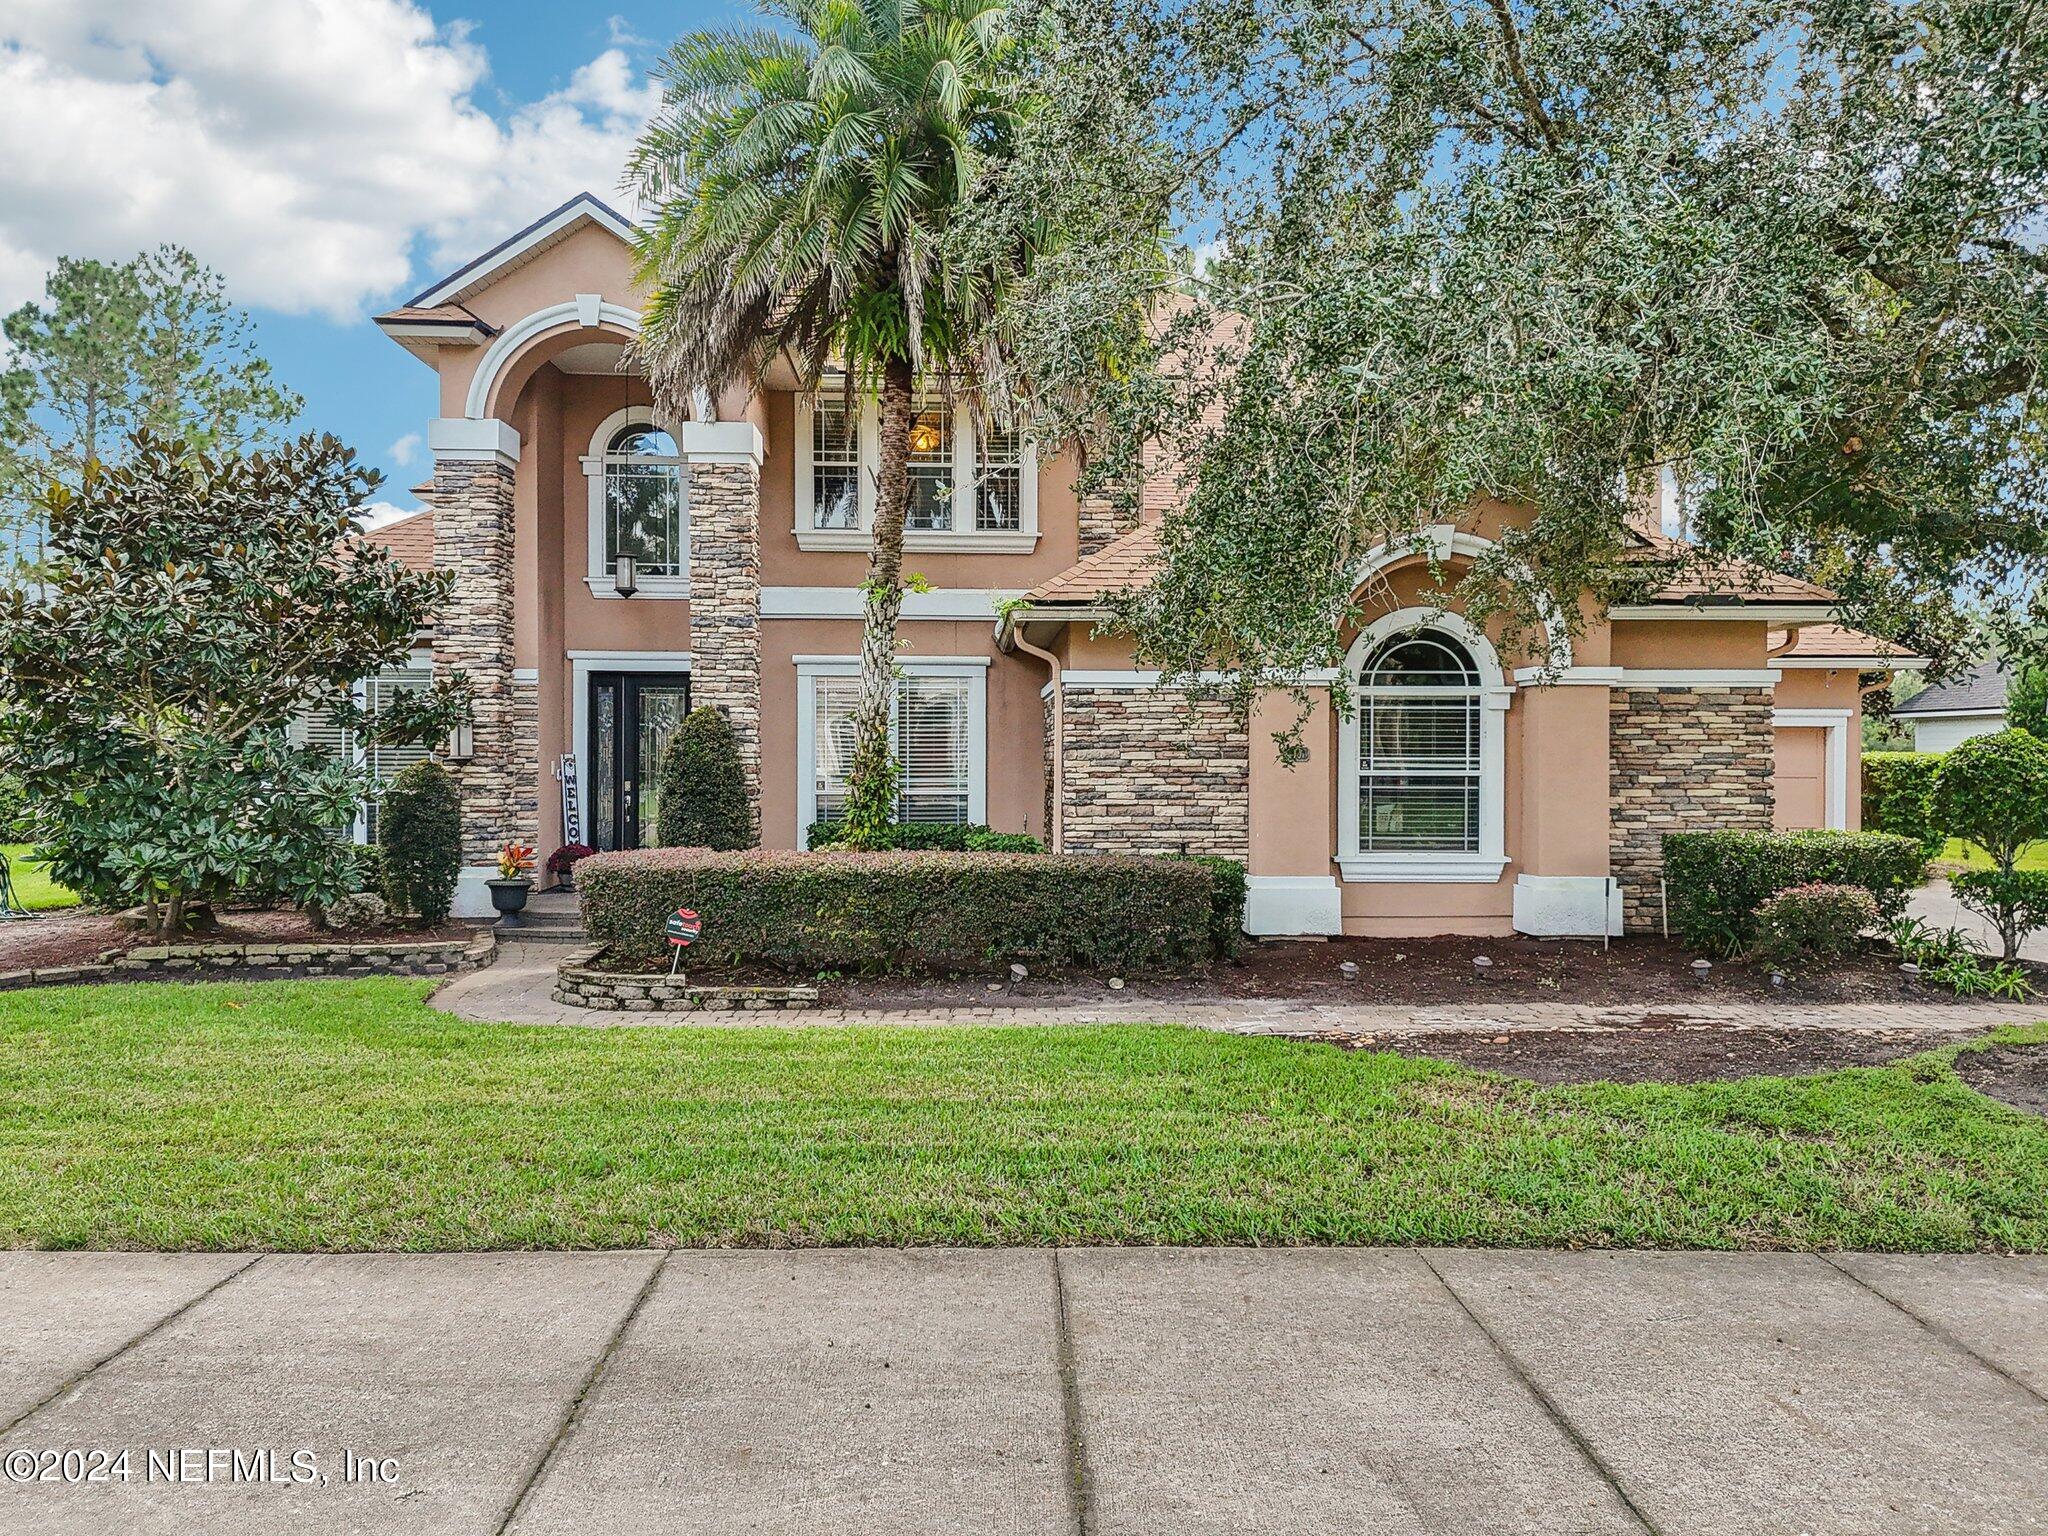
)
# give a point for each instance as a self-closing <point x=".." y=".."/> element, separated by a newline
<point x="350" y="1116"/>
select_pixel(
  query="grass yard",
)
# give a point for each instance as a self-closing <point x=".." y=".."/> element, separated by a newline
<point x="348" y="1115"/>
<point x="33" y="887"/>
<point x="1956" y="851"/>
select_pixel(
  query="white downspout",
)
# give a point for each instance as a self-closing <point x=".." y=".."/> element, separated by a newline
<point x="1055" y="832"/>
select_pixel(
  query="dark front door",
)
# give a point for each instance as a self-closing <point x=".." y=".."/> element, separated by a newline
<point x="631" y="717"/>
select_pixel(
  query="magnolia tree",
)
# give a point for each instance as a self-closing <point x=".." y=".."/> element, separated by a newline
<point x="1786" y="253"/>
<point x="195" y="607"/>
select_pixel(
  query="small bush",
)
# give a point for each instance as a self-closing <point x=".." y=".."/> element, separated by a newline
<point x="1805" y="923"/>
<point x="1898" y="796"/>
<point x="2013" y="901"/>
<point x="358" y="913"/>
<point x="1993" y="790"/>
<point x="419" y="829"/>
<point x="910" y="912"/>
<point x="369" y="869"/>
<point x="1719" y="881"/>
<point x="928" y="837"/>
<point x="563" y="861"/>
<point x="704" y="786"/>
<point x="1226" y="907"/>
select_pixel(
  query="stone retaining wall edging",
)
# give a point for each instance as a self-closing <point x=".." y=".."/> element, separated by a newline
<point x="431" y="957"/>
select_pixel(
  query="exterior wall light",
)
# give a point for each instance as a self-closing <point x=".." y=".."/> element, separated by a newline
<point x="461" y="745"/>
<point x="626" y="575"/>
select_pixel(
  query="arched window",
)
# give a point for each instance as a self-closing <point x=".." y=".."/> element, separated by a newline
<point x="1418" y="733"/>
<point x="1423" y="754"/>
<point x="639" y="505"/>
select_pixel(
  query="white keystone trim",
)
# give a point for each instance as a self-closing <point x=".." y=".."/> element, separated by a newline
<point x="851" y="603"/>
<point x="511" y="341"/>
<point x="588" y="307"/>
<point x="1286" y="905"/>
<point x="468" y="440"/>
<point x="1835" y="792"/>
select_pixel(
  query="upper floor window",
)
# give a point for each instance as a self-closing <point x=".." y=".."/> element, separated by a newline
<point x="973" y="485"/>
<point x="639" y="505"/>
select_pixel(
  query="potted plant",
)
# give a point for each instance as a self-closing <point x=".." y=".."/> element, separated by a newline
<point x="515" y="881"/>
<point x="562" y="864"/>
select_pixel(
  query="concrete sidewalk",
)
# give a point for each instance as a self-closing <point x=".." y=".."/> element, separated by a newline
<point x="517" y="990"/>
<point x="1096" y="1391"/>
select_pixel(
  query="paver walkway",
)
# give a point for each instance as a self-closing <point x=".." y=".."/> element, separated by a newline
<point x="1115" y="1392"/>
<point x="516" y="991"/>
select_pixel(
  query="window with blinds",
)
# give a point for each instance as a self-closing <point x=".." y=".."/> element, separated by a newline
<point x="928" y="726"/>
<point x="835" y="460"/>
<point x="998" y="480"/>
<point x="1418" y="771"/>
<point x="383" y="760"/>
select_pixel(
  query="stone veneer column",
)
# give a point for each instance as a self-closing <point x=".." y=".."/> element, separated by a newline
<point x="475" y="463"/>
<point x="1686" y="759"/>
<point x="1151" y="770"/>
<point x="1100" y="523"/>
<point x="725" y="581"/>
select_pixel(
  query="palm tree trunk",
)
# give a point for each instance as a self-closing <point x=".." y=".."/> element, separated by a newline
<point x="871" y="777"/>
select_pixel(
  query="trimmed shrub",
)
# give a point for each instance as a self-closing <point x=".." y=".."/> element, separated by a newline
<point x="369" y="869"/>
<point x="1719" y="881"/>
<point x="563" y="861"/>
<point x="419" y="829"/>
<point x="1814" y="922"/>
<point x="703" y="786"/>
<point x="1993" y="790"/>
<point x="928" y="837"/>
<point x="808" y="912"/>
<point x="1898" y="796"/>
<point x="1226" y="904"/>
<point x="2013" y="901"/>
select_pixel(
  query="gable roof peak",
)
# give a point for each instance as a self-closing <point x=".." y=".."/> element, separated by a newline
<point x="551" y="228"/>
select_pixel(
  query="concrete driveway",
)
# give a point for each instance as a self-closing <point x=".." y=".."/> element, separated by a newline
<point x="1093" y="1391"/>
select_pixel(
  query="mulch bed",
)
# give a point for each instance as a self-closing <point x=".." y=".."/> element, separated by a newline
<point x="2013" y="1074"/>
<point x="31" y="943"/>
<point x="1404" y="972"/>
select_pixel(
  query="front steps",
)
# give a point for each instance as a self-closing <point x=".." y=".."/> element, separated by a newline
<point x="551" y="917"/>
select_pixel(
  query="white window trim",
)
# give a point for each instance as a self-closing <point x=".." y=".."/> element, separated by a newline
<point x="1835" y="795"/>
<point x="810" y="668"/>
<point x="960" y="539"/>
<point x="598" y="575"/>
<point x="1423" y="866"/>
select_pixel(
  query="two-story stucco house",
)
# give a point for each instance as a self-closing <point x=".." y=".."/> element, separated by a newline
<point x="612" y="567"/>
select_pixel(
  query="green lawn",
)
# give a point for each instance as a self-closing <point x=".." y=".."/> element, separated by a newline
<point x="1959" y="852"/>
<point x="33" y="887"/>
<point x="348" y="1115"/>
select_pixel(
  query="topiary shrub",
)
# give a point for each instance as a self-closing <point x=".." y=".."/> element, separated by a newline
<point x="1898" y="796"/>
<point x="1804" y="923"/>
<point x="703" y="786"/>
<point x="927" y="837"/>
<point x="2013" y="901"/>
<point x="1226" y="904"/>
<point x="1993" y="791"/>
<point x="1717" y="882"/>
<point x="419" y="829"/>
<point x="909" y="912"/>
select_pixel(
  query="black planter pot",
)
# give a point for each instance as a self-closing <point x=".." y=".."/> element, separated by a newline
<point x="509" y="897"/>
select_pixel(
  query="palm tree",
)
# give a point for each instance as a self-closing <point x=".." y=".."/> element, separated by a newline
<point x="802" y="187"/>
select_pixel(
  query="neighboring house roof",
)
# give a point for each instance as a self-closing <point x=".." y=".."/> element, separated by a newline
<point x="550" y="229"/>
<point x="410" y="540"/>
<point x="1837" y="645"/>
<point x="1979" y="691"/>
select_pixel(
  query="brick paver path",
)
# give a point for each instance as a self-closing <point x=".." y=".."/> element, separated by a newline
<point x="515" y="991"/>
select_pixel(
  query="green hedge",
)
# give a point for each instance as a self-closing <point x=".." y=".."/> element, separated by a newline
<point x="931" y="837"/>
<point x="907" y="912"/>
<point x="1718" y="882"/>
<point x="1898" y="795"/>
<point x="1226" y="904"/>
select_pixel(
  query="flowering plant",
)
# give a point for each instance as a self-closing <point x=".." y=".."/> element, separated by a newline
<point x="515" y="862"/>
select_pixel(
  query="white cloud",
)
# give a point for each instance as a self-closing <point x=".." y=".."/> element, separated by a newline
<point x="302" y="147"/>
<point x="372" y="515"/>
<point x="406" y="449"/>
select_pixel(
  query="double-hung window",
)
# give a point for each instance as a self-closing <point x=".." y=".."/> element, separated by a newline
<point x="1422" y="759"/>
<point x="973" y="483"/>
<point x="936" y="735"/>
<point x="639" y="506"/>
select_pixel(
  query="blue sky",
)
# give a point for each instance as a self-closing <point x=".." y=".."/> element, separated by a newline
<point x="329" y="160"/>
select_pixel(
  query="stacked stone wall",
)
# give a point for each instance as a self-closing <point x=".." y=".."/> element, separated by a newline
<point x="725" y="603"/>
<point x="1154" y="771"/>
<point x="1681" y="760"/>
